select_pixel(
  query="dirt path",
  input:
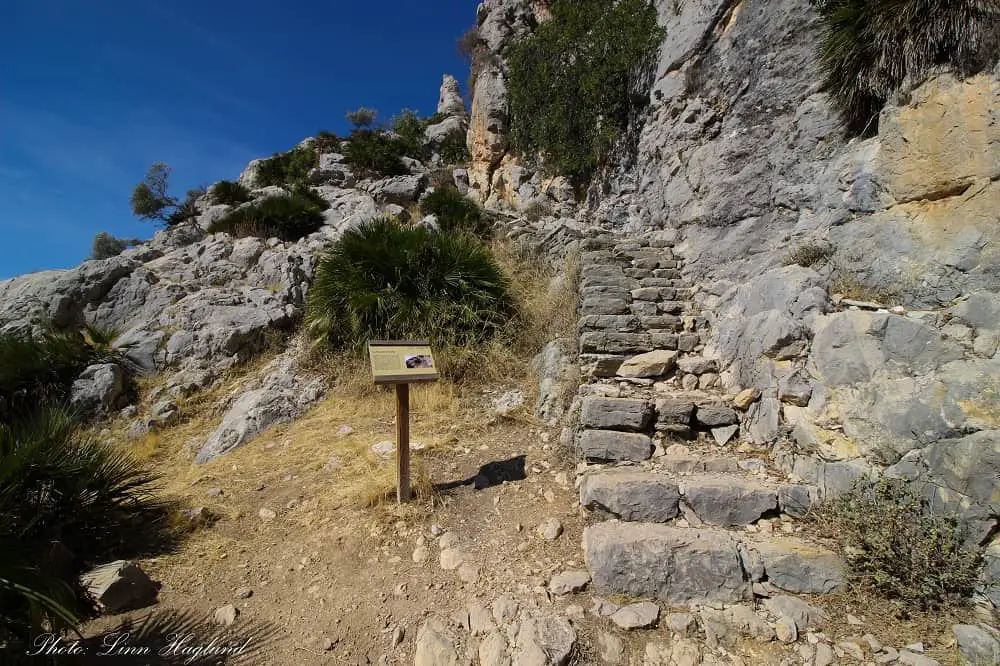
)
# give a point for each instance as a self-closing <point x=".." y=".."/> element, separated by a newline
<point x="331" y="582"/>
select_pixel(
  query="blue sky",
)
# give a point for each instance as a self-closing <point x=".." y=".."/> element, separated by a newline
<point x="92" y="93"/>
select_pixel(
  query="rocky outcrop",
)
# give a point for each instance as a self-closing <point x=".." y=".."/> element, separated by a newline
<point x="283" y="393"/>
<point x="487" y="129"/>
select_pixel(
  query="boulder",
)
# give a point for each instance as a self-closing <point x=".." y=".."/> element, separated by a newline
<point x="804" y="615"/>
<point x="714" y="416"/>
<point x="613" y="445"/>
<point x="250" y="176"/>
<point x="436" y="134"/>
<point x="642" y="615"/>
<point x="739" y="620"/>
<point x="567" y="582"/>
<point x="676" y="565"/>
<point x="402" y="190"/>
<point x="99" y="388"/>
<point x="674" y="411"/>
<point x="797" y="566"/>
<point x="547" y="640"/>
<point x="631" y="495"/>
<point x="119" y="586"/>
<point x="976" y="644"/>
<point x="283" y="394"/>
<point x="434" y="645"/>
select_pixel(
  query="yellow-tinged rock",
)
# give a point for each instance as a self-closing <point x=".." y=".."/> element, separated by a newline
<point x="745" y="398"/>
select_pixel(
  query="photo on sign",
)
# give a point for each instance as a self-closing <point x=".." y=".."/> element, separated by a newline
<point x="418" y="361"/>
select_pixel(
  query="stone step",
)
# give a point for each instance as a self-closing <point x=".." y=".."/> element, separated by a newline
<point x="688" y="566"/>
<point x="603" y="242"/>
<point x="614" y="445"/>
<point x="608" y="342"/>
<point x="682" y="566"/>
<point x="660" y="282"/>
<point x="621" y="323"/>
<point x="721" y="499"/>
<point x="604" y="305"/>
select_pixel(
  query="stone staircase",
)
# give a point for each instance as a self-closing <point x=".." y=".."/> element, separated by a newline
<point x="694" y="515"/>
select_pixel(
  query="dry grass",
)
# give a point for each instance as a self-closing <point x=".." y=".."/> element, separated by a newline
<point x="849" y="286"/>
<point x="808" y="254"/>
<point x="893" y="624"/>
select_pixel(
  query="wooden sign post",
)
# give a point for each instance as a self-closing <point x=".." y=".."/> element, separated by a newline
<point x="402" y="363"/>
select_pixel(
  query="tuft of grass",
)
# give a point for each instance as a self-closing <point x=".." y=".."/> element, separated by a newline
<point x="850" y="286"/>
<point x="288" y="217"/>
<point x="871" y="47"/>
<point x="898" y="547"/>
<point x="455" y="212"/>
<point x="807" y="255"/>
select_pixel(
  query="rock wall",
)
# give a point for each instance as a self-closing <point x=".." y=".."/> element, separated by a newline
<point x="742" y="155"/>
<point x="853" y="281"/>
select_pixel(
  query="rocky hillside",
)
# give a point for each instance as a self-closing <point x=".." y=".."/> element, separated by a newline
<point x="770" y="310"/>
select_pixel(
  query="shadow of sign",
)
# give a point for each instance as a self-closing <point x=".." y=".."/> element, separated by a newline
<point x="491" y="474"/>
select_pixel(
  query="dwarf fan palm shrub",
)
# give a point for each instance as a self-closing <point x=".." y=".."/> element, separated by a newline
<point x="58" y="485"/>
<point x="229" y="193"/>
<point x="37" y="371"/>
<point x="375" y="153"/>
<point x="871" y="47"/>
<point x="382" y="280"/>
<point x="454" y="211"/>
<point x="288" y="217"/>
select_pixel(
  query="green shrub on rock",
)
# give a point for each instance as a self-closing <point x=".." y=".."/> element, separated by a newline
<point x="287" y="168"/>
<point x="375" y="153"/>
<point x="454" y="211"/>
<point x="870" y="47"/>
<point x="571" y="82"/>
<point x="454" y="149"/>
<point x="288" y="217"/>
<point x="382" y="280"/>
<point x="229" y="193"/>
<point x="106" y="245"/>
<point x="409" y="131"/>
<point x="150" y="199"/>
<point x="327" y="142"/>
<point x="898" y="546"/>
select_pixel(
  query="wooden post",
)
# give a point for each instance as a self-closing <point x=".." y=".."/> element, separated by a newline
<point x="402" y="443"/>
